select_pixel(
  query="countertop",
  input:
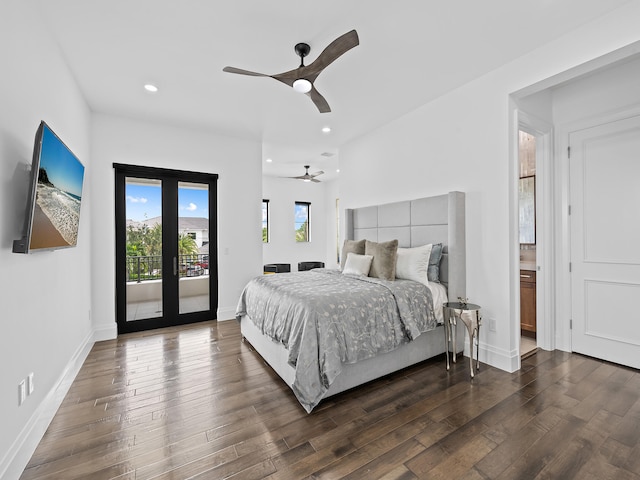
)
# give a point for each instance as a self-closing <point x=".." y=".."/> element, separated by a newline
<point x="527" y="265"/>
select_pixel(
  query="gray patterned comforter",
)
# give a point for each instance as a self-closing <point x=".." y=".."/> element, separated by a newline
<point x="326" y="319"/>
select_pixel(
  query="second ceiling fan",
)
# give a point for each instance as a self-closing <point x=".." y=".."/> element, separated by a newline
<point x="301" y="79"/>
<point x="309" y="177"/>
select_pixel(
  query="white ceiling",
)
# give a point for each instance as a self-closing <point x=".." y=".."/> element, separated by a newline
<point x="410" y="52"/>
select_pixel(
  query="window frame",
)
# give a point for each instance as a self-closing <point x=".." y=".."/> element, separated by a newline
<point x="265" y="221"/>
<point x="298" y="225"/>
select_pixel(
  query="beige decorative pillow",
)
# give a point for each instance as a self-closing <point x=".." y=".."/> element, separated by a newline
<point x="384" y="259"/>
<point x="351" y="246"/>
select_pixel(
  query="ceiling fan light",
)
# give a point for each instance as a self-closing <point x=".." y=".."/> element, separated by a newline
<point x="306" y="180"/>
<point x="302" y="85"/>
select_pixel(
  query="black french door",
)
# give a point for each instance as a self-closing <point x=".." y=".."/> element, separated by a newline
<point x="166" y="247"/>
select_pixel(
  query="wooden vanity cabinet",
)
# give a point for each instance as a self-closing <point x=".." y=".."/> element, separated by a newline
<point x="528" y="301"/>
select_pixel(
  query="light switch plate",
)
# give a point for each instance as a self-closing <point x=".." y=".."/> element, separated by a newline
<point x="30" y="385"/>
<point x="22" y="392"/>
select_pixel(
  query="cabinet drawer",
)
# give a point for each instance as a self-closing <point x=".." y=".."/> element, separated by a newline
<point x="528" y="301"/>
<point x="527" y="276"/>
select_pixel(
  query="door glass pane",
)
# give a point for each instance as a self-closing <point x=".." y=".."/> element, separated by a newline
<point x="144" y="248"/>
<point x="193" y="247"/>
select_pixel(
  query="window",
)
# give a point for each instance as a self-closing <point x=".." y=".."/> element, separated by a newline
<point x="265" y="221"/>
<point x="302" y="221"/>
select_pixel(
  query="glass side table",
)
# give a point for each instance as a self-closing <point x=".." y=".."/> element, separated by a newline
<point x="469" y="315"/>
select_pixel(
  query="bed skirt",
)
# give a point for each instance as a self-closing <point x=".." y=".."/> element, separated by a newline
<point x="426" y="346"/>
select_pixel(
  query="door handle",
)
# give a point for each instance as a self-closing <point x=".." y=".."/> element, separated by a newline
<point x="175" y="266"/>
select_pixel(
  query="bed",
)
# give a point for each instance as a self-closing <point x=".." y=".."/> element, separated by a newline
<point x="314" y="373"/>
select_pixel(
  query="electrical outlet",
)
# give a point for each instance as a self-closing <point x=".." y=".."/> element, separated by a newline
<point x="30" y="385"/>
<point x="22" y="392"/>
<point x="492" y="324"/>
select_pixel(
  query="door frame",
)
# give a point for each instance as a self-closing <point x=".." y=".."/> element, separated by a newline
<point x="170" y="289"/>
<point x="545" y="320"/>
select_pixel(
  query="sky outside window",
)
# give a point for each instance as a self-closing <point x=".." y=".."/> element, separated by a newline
<point x="144" y="201"/>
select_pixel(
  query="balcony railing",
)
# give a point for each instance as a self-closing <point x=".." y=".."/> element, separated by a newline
<point x="142" y="268"/>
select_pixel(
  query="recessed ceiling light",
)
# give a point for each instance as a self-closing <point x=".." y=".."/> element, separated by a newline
<point x="326" y="129"/>
<point x="268" y="160"/>
<point x="337" y="170"/>
<point x="150" y="88"/>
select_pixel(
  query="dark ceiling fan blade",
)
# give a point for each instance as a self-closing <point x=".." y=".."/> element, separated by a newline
<point x="335" y="49"/>
<point x="289" y="77"/>
<point x="308" y="177"/>
<point x="243" y="72"/>
<point x="319" y="100"/>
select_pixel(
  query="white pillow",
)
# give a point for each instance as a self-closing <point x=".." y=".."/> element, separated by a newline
<point x="357" y="264"/>
<point x="413" y="263"/>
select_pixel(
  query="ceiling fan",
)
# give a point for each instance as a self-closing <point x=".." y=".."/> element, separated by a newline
<point x="302" y="78"/>
<point x="309" y="177"/>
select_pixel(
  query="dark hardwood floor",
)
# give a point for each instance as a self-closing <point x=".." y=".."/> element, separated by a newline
<point x="196" y="402"/>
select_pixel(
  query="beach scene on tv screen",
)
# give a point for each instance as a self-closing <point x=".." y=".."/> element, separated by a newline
<point x="56" y="214"/>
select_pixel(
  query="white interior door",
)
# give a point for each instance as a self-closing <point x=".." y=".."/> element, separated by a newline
<point x="605" y="241"/>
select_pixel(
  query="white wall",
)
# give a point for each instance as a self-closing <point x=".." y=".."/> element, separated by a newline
<point x="44" y="297"/>
<point x="538" y="105"/>
<point x="606" y="92"/>
<point x="238" y="164"/>
<point x="461" y="141"/>
<point x="282" y="194"/>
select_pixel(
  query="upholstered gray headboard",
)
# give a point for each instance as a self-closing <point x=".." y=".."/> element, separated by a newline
<point x="439" y="219"/>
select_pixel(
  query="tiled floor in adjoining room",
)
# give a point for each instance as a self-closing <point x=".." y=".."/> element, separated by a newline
<point x="528" y="346"/>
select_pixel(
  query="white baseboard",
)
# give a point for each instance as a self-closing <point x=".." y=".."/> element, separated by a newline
<point x="226" y="313"/>
<point x="498" y="358"/>
<point x="15" y="460"/>
<point x="108" y="332"/>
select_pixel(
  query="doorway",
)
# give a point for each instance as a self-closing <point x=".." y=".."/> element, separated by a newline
<point x="166" y="250"/>
<point x="527" y="152"/>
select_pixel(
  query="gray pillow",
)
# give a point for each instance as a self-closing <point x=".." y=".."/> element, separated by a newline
<point x="384" y="259"/>
<point x="351" y="246"/>
<point x="433" y="271"/>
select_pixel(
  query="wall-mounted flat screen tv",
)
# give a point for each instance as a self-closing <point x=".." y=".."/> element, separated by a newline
<point x="55" y="195"/>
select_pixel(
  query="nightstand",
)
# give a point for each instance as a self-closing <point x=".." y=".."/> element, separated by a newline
<point x="469" y="315"/>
